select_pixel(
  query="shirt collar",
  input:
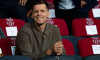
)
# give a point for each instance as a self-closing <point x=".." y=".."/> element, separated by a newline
<point x="46" y="31"/>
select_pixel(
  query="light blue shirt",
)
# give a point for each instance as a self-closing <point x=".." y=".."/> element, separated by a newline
<point x="66" y="4"/>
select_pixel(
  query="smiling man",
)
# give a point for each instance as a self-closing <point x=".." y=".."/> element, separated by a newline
<point x="38" y="39"/>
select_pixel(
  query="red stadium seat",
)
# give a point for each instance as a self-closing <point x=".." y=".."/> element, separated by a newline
<point x="5" y="45"/>
<point x="86" y="27"/>
<point x="68" y="47"/>
<point x="10" y="23"/>
<point x="87" y="46"/>
<point x="61" y="24"/>
<point x="51" y="4"/>
<point x="91" y="12"/>
<point x="51" y="8"/>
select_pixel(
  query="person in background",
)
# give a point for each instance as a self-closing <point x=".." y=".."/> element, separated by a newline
<point x="14" y="9"/>
<point x="38" y="39"/>
<point x="72" y="9"/>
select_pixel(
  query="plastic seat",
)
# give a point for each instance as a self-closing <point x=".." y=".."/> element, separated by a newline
<point x="86" y="27"/>
<point x="62" y="57"/>
<point x="61" y="24"/>
<point x="7" y="46"/>
<point x="15" y="57"/>
<point x="74" y="41"/>
<point x="89" y="46"/>
<point x="9" y="22"/>
<point x="68" y="47"/>
<point x="92" y="57"/>
<point x="91" y="12"/>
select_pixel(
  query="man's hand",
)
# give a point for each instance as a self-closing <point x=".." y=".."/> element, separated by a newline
<point x="22" y="2"/>
<point x="49" y="51"/>
<point x="58" y="47"/>
<point x="83" y="3"/>
<point x="29" y="14"/>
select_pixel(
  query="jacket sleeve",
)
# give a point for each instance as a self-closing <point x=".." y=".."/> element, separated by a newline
<point x="60" y="39"/>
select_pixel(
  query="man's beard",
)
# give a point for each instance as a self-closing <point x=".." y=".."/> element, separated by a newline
<point x="40" y="24"/>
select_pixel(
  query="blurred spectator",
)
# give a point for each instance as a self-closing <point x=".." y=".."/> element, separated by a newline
<point x="86" y="6"/>
<point x="71" y="9"/>
<point x="13" y="9"/>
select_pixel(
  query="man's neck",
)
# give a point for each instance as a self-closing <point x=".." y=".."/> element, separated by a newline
<point x="41" y="27"/>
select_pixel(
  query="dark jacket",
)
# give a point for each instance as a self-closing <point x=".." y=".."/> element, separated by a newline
<point x="90" y="4"/>
<point x="8" y="4"/>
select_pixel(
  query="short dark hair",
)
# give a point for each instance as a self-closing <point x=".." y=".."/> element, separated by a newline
<point x="36" y="2"/>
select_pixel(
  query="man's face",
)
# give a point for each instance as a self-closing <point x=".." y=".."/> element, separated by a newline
<point x="40" y="13"/>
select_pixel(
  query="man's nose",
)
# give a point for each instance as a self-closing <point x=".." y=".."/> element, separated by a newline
<point x="39" y="13"/>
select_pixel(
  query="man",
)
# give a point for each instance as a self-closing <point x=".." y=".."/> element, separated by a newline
<point x="38" y="39"/>
<point x="14" y="9"/>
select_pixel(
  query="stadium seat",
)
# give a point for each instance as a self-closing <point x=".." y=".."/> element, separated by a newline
<point x="62" y="57"/>
<point x="11" y="26"/>
<point x="15" y="57"/>
<point x="61" y="24"/>
<point x="92" y="57"/>
<point x="86" y="27"/>
<point x="74" y="41"/>
<point x="91" y="11"/>
<point x="68" y="47"/>
<point x="89" y="46"/>
<point x="6" y="46"/>
<point x="51" y="8"/>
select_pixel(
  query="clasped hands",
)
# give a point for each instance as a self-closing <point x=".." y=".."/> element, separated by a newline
<point x="56" y="49"/>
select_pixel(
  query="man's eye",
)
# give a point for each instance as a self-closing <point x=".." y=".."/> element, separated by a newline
<point x="42" y="11"/>
<point x="35" y="11"/>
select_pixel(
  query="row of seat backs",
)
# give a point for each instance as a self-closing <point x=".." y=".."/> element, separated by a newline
<point x="7" y="46"/>
<point x="78" y="25"/>
<point x="72" y="57"/>
<point x="84" y="46"/>
<point x="15" y="57"/>
<point x="64" y="57"/>
<point x="18" y="23"/>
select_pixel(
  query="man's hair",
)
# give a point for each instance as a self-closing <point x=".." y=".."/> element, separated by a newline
<point x="36" y="2"/>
